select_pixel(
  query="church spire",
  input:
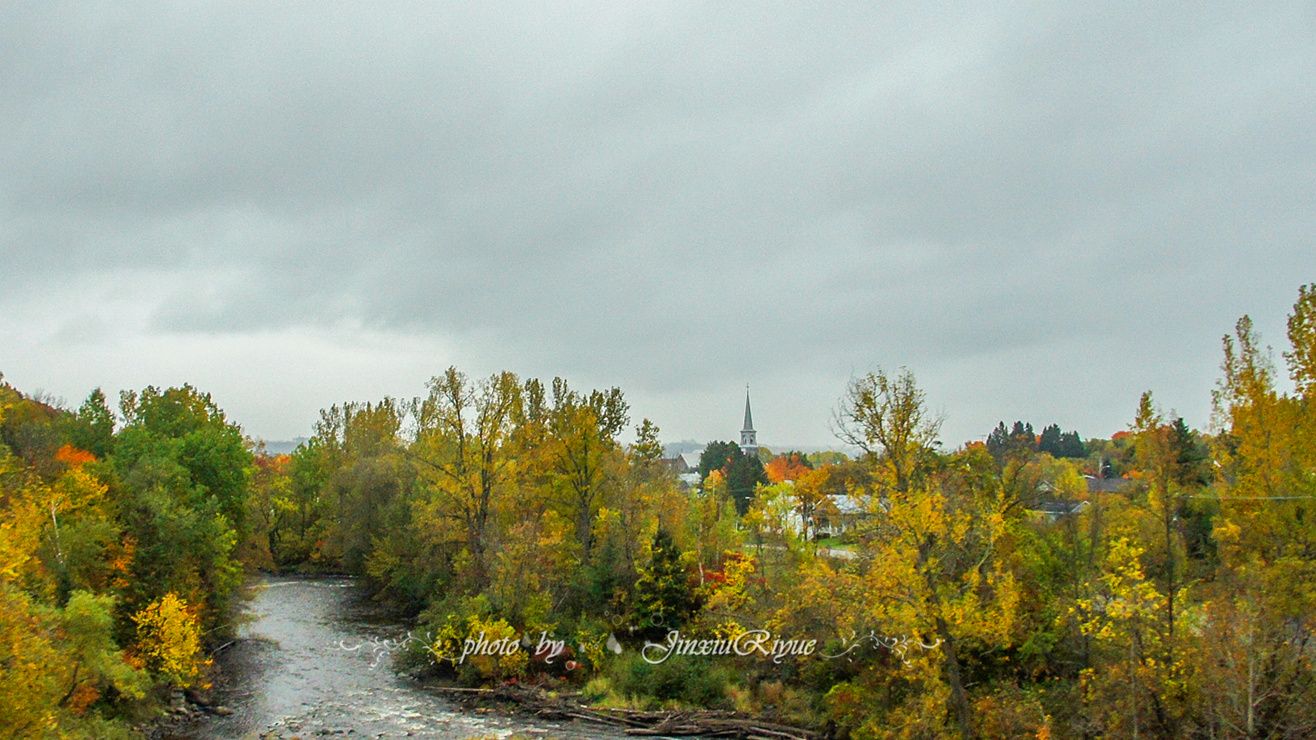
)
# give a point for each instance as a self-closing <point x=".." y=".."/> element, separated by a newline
<point x="748" y="438"/>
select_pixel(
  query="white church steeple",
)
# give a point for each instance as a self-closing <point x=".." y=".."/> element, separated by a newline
<point x="748" y="439"/>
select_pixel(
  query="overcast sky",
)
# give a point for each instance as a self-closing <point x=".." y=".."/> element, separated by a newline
<point x="1041" y="209"/>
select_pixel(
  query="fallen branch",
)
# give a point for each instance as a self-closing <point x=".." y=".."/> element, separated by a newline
<point x="678" y="723"/>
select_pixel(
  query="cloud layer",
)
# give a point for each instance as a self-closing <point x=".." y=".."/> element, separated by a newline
<point x="1041" y="210"/>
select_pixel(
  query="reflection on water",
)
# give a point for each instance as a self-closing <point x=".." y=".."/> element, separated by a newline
<point x="296" y="680"/>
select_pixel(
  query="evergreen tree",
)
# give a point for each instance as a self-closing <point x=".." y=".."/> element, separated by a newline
<point x="1018" y="442"/>
<point x="998" y="440"/>
<point x="1072" y="446"/>
<point x="92" y="427"/>
<point x="664" y="598"/>
<point x="744" y="474"/>
<point x="1050" y="441"/>
<point x="715" y="456"/>
<point x="1190" y="458"/>
<point x="1022" y="436"/>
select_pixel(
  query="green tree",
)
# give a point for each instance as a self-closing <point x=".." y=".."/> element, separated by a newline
<point x="664" y="596"/>
<point x="187" y="473"/>
<point x="741" y="474"/>
<point x="745" y="474"/>
<point x="716" y="456"/>
<point x="93" y="426"/>
<point x="1049" y="441"/>
<point x="272" y="514"/>
<point x="647" y="448"/>
<point x="360" y="449"/>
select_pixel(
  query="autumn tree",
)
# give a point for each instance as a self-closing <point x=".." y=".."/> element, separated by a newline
<point x="886" y="417"/>
<point x="583" y="453"/>
<point x="1301" y="355"/>
<point x="1264" y="535"/>
<point x="812" y="503"/>
<point x="648" y="499"/>
<point x="169" y="640"/>
<point x="61" y="560"/>
<point x="787" y="466"/>
<point x="367" y="479"/>
<point x="774" y="522"/>
<point x="1158" y="459"/>
<point x="463" y="453"/>
<point x="932" y="546"/>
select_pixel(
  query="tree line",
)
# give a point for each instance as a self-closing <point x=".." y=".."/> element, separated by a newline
<point x="118" y="556"/>
<point x="1157" y="583"/>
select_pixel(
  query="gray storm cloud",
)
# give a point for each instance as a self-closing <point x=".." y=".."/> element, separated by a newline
<point x="1041" y="209"/>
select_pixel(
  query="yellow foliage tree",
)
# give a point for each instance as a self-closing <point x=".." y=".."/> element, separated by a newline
<point x="1127" y="689"/>
<point x="169" y="640"/>
<point x="463" y="441"/>
<point x="1257" y="661"/>
<point x="29" y="682"/>
<point x="933" y="545"/>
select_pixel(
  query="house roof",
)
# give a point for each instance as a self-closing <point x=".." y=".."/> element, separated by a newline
<point x="848" y="504"/>
<point x="1106" y="485"/>
<point x="1057" y="509"/>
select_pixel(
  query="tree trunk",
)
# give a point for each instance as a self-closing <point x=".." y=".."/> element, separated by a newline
<point x="959" y="700"/>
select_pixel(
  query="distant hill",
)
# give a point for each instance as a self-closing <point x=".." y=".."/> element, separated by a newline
<point x="281" y="446"/>
<point x="691" y="446"/>
<point x="680" y="448"/>
<point x="685" y="446"/>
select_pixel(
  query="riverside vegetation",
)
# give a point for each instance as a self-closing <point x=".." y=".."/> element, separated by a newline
<point x="1161" y="583"/>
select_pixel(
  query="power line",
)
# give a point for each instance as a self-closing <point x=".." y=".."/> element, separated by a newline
<point x="1253" y="498"/>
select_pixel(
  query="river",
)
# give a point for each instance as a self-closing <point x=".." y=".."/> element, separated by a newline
<point x="294" y="678"/>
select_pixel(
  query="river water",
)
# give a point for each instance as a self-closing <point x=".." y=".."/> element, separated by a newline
<point x="307" y="667"/>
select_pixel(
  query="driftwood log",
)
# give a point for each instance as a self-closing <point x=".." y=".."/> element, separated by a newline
<point x="691" y="722"/>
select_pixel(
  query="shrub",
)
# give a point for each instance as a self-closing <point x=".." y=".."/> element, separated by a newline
<point x="685" y="679"/>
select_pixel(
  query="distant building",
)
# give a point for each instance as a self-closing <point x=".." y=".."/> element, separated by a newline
<point x="689" y="480"/>
<point x="1106" y="485"/>
<point x="1051" y="507"/>
<point x="679" y="464"/>
<point x="686" y="467"/>
<point x="840" y="514"/>
<point x="1053" y="510"/>
<point x="683" y="462"/>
